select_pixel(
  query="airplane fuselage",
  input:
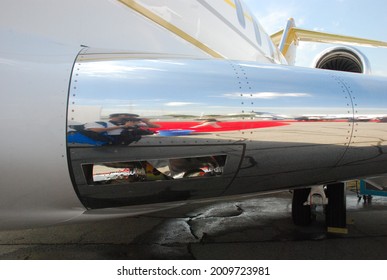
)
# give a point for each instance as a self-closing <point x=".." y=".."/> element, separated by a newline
<point x="210" y="111"/>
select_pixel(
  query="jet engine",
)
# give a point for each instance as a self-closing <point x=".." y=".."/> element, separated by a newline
<point x="342" y="58"/>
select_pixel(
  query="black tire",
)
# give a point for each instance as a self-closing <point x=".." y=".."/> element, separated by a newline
<point x="336" y="208"/>
<point x="301" y="214"/>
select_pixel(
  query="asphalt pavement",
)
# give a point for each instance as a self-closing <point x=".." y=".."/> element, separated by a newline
<point x="255" y="228"/>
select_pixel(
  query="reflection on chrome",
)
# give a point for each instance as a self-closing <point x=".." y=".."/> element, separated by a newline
<point x="119" y="129"/>
<point x="273" y="123"/>
<point x="153" y="170"/>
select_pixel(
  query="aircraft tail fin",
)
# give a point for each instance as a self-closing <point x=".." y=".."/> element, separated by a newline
<point x="287" y="41"/>
<point x="288" y="38"/>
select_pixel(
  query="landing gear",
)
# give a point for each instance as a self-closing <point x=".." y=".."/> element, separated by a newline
<point x="301" y="214"/>
<point x="332" y="197"/>
<point x="336" y="214"/>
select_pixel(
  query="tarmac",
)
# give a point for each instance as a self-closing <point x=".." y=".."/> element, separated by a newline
<point x="255" y="228"/>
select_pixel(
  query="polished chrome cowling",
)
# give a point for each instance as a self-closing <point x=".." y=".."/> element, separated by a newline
<point x="150" y="128"/>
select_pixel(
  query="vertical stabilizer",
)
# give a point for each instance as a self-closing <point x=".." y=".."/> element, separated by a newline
<point x="289" y="42"/>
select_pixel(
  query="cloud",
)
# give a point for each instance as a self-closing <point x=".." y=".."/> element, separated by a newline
<point x="266" y="95"/>
<point x="319" y="29"/>
<point x="178" y="104"/>
<point x="275" y="20"/>
<point x="115" y="69"/>
<point x="273" y="15"/>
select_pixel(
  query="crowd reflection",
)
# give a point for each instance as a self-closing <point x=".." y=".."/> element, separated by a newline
<point x="127" y="128"/>
<point x="120" y="129"/>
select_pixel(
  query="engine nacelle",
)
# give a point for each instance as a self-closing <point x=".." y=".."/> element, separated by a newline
<point x="195" y="129"/>
<point x="342" y="58"/>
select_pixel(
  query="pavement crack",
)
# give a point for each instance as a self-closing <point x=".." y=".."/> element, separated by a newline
<point x="82" y="238"/>
<point x="189" y="223"/>
<point x="239" y="209"/>
<point x="190" y="252"/>
<point x="206" y="238"/>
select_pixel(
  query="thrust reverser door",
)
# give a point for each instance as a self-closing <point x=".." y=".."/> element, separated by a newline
<point x="117" y="176"/>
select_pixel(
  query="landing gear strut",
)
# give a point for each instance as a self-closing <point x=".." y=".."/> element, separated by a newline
<point x="332" y="197"/>
<point x="336" y="218"/>
<point x="301" y="213"/>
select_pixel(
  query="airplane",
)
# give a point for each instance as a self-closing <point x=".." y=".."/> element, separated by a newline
<point x="116" y="108"/>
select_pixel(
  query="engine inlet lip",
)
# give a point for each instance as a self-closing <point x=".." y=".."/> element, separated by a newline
<point x="343" y="59"/>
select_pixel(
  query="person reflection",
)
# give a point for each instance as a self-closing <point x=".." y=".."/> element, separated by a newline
<point x="121" y="129"/>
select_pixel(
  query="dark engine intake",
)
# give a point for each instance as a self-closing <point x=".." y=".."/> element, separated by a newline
<point x="343" y="59"/>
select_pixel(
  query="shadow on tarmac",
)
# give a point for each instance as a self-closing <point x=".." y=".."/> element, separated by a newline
<point x="259" y="228"/>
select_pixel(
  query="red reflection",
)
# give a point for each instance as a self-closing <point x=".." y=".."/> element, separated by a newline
<point x="215" y="126"/>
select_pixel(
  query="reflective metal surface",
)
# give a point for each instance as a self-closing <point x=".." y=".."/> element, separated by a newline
<point x="276" y="126"/>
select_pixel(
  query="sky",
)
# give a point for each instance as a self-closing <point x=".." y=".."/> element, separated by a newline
<point x="358" y="18"/>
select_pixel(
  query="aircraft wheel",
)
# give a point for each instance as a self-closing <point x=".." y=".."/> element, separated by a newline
<point x="301" y="214"/>
<point x="336" y="208"/>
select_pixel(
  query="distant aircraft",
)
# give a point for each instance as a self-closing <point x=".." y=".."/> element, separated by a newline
<point x="118" y="108"/>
